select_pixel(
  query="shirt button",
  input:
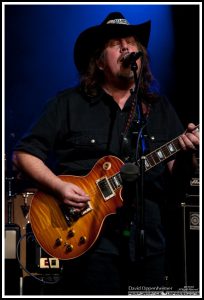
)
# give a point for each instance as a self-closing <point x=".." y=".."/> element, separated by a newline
<point x="93" y="141"/>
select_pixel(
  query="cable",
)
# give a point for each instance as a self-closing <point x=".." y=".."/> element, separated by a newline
<point x="35" y="277"/>
<point x="137" y="143"/>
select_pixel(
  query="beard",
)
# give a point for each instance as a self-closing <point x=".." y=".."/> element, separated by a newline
<point x="126" y="76"/>
<point x="123" y="78"/>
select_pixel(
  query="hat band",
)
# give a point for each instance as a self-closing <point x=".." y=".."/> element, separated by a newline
<point x="118" y="21"/>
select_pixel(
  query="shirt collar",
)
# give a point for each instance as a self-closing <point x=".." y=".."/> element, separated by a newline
<point x="103" y="95"/>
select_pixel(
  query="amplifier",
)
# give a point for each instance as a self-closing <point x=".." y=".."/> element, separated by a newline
<point x="32" y="256"/>
<point x="191" y="199"/>
<point x="183" y="244"/>
<point x="194" y="183"/>
<point x="37" y="260"/>
<point x="12" y="235"/>
<point x="12" y="267"/>
<point x="190" y="234"/>
<point x="194" y="186"/>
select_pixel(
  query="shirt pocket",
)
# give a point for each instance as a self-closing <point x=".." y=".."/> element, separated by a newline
<point x="89" y="140"/>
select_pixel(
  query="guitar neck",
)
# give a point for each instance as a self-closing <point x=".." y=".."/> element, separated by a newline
<point x="160" y="154"/>
<point x="164" y="152"/>
<point x="151" y="160"/>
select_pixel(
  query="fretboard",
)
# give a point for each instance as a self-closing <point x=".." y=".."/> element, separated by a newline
<point x="161" y="154"/>
<point x="151" y="160"/>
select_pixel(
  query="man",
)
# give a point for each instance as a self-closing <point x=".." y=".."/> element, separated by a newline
<point x="112" y="112"/>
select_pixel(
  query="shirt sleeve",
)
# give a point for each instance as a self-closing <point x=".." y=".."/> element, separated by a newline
<point x="41" y="137"/>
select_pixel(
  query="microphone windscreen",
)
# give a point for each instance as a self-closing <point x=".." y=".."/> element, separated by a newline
<point x="129" y="172"/>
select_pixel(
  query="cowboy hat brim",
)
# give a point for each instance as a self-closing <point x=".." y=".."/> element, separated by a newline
<point x="95" y="37"/>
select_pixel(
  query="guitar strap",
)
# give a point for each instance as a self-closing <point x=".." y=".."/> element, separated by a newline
<point x="130" y="117"/>
<point x="134" y="129"/>
<point x="126" y="132"/>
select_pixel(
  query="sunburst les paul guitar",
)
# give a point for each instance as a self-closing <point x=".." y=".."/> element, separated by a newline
<point x="65" y="235"/>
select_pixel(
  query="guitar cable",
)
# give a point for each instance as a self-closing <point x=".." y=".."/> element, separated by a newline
<point x="24" y="268"/>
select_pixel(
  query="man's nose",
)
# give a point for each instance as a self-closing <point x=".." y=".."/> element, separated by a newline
<point x="124" y="46"/>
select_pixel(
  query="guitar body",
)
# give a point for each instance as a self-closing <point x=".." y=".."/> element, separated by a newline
<point x="67" y="240"/>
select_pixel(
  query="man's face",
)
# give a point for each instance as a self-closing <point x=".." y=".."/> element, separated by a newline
<point x="113" y="53"/>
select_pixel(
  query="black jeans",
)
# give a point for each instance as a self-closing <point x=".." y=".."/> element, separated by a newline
<point x="95" y="274"/>
<point x="105" y="274"/>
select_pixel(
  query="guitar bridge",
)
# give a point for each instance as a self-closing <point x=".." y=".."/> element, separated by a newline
<point x="87" y="209"/>
<point x="69" y="216"/>
<point x="105" y="188"/>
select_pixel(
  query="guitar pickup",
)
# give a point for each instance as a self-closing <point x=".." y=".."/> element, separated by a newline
<point x="105" y="188"/>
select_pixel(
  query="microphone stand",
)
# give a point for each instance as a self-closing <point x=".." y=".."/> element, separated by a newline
<point x="139" y="185"/>
<point x="132" y="173"/>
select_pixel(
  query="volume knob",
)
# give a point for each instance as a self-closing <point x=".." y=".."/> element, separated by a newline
<point x="82" y="240"/>
<point x="69" y="247"/>
<point x="71" y="233"/>
<point x="58" y="241"/>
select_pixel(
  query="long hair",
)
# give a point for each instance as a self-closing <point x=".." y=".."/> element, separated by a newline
<point x="91" y="79"/>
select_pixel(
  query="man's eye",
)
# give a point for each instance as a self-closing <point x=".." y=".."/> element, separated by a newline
<point x="131" y="42"/>
<point x="114" y="43"/>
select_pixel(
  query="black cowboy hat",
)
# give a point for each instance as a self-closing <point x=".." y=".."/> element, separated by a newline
<point x="114" y="25"/>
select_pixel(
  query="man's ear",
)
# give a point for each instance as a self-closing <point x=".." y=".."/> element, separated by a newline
<point x="100" y="63"/>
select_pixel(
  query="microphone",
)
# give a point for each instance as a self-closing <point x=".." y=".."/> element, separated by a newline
<point x="129" y="172"/>
<point x="130" y="58"/>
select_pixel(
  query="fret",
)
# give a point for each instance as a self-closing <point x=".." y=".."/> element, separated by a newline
<point x="115" y="181"/>
<point x="160" y="154"/>
<point x="171" y="148"/>
<point x="155" y="156"/>
<point x="147" y="164"/>
<point x="151" y="160"/>
<point x="119" y="178"/>
<point x="166" y="151"/>
<point x="177" y="145"/>
<point x="112" y="183"/>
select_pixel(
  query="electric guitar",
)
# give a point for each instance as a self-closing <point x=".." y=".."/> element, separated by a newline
<point x="67" y="235"/>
